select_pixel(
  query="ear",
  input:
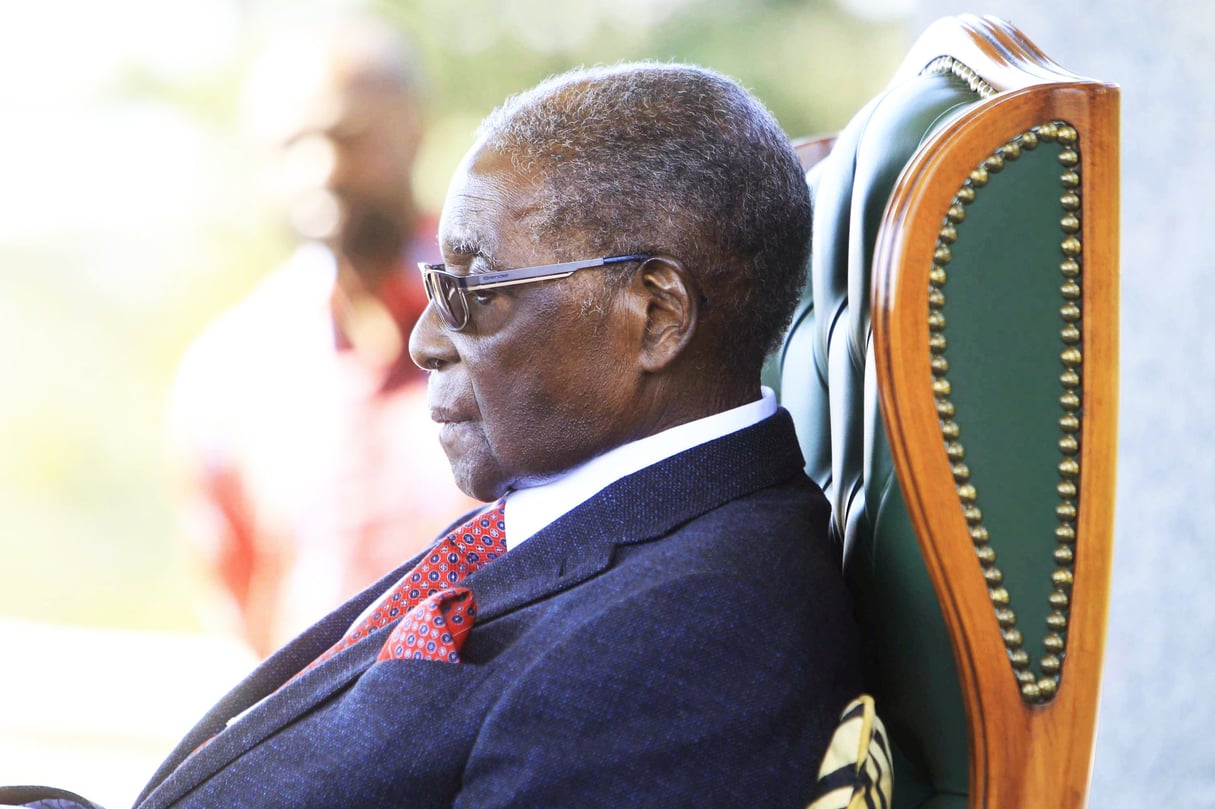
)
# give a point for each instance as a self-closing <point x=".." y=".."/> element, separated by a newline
<point x="671" y="301"/>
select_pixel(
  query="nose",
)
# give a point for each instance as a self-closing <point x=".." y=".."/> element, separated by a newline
<point x="430" y="346"/>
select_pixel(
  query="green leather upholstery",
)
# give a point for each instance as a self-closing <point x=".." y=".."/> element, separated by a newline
<point x="827" y="383"/>
<point x="974" y="203"/>
<point x="1004" y="348"/>
<point x="1003" y="314"/>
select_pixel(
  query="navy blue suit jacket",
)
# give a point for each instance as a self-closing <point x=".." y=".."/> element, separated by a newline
<point x="681" y="639"/>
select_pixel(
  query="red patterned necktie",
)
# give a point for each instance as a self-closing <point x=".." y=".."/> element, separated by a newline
<point x="437" y="614"/>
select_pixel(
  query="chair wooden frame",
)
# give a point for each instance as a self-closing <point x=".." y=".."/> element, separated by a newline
<point x="1029" y="747"/>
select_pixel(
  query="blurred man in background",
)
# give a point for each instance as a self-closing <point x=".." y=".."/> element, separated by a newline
<point x="310" y="463"/>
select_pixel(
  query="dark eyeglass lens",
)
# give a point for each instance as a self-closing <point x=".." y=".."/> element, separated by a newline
<point x="451" y="302"/>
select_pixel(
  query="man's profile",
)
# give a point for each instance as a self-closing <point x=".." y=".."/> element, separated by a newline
<point x="650" y="613"/>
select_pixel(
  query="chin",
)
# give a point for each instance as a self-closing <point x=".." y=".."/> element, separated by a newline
<point x="475" y="482"/>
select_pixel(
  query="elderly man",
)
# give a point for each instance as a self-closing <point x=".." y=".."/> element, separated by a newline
<point x="651" y="613"/>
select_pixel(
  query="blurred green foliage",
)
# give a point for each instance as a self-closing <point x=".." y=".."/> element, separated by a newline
<point x="98" y="302"/>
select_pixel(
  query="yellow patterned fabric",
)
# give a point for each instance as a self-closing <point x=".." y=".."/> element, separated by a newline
<point x="857" y="772"/>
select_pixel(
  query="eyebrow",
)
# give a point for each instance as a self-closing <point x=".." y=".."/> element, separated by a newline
<point x="471" y="247"/>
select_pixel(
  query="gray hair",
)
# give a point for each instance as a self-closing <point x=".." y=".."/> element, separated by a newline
<point x="676" y="160"/>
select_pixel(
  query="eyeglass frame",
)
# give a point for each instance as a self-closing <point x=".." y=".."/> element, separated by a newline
<point x="505" y="278"/>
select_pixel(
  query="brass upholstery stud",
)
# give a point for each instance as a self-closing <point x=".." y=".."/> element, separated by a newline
<point x="1041" y="686"/>
<point x="947" y="64"/>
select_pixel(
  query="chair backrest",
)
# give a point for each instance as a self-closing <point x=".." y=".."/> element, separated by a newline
<point x="952" y="371"/>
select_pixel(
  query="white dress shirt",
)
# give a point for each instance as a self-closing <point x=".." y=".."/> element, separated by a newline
<point x="531" y="509"/>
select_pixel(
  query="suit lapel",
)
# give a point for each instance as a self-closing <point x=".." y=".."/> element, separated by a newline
<point x="577" y="546"/>
<point x="291" y="701"/>
<point x="638" y="508"/>
<point x="176" y="776"/>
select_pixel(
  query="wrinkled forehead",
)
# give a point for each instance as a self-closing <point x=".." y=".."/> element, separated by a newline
<point x="491" y="208"/>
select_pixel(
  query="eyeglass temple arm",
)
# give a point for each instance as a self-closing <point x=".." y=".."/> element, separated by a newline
<point x="508" y="277"/>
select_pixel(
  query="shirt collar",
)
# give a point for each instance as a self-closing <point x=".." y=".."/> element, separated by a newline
<point x="531" y="509"/>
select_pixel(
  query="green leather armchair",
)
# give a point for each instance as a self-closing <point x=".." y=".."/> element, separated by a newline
<point x="952" y="372"/>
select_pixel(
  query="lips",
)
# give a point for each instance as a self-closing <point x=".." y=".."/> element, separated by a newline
<point x="447" y="415"/>
<point x="454" y="427"/>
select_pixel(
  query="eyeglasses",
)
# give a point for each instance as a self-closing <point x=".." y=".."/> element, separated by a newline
<point x="447" y="290"/>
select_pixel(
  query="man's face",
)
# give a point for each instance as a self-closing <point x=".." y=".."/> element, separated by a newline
<point x="544" y="376"/>
<point x="347" y="177"/>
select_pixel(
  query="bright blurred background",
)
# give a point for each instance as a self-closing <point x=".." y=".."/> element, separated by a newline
<point x="131" y="215"/>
